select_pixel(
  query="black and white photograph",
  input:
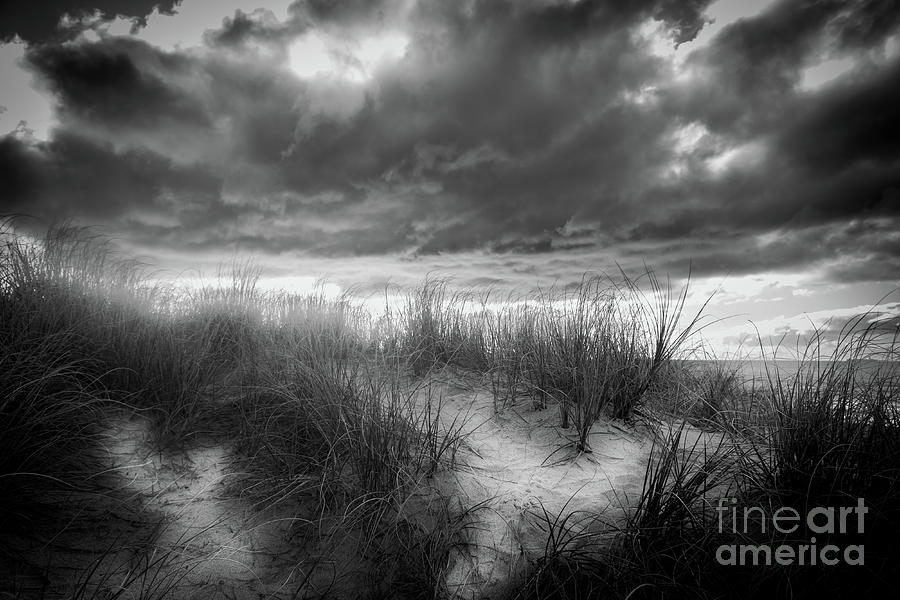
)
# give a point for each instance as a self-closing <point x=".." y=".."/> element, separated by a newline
<point x="449" y="299"/>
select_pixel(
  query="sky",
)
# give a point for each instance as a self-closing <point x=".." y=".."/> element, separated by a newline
<point x="505" y="144"/>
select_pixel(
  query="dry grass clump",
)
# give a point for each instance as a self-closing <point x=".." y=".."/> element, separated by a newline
<point x="595" y="349"/>
<point x="53" y="329"/>
<point x="662" y="548"/>
<point x="710" y="394"/>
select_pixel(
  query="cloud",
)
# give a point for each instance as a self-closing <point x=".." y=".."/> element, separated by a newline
<point x="38" y="22"/>
<point x="243" y="29"/>
<point x="79" y="178"/>
<point x="855" y="121"/>
<point x="815" y="334"/>
<point x="547" y="134"/>
<point x="119" y="81"/>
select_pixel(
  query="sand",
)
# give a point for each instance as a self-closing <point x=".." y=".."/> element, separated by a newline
<point x="523" y="466"/>
<point x="178" y="522"/>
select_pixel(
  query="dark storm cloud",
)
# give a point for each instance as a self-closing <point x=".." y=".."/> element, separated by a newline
<point x="544" y="130"/>
<point x="866" y="249"/>
<point x="20" y="173"/>
<point x="846" y="224"/>
<point x="769" y="197"/>
<point x="347" y="12"/>
<point x="134" y="94"/>
<point x="748" y="71"/>
<point x="864" y="23"/>
<point x="118" y="82"/>
<point x="75" y="177"/>
<point x="502" y="105"/>
<point x="823" y="158"/>
<point x="683" y="18"/>
<point x="37" y="21"/>
<point x="851" y="123"/>
<point x="258" y="26"/>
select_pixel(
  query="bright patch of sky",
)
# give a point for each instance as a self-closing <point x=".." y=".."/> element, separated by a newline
<point x="743" y="156"/>
<point x="785" y="335"/>
<point x="317" y="54"/>
<point x="892" y="47"/>
<point x="685" y="141"/>
<point x="747" y="309"/>
<point x="19" y="99"/>
<point x="818" y="75"/>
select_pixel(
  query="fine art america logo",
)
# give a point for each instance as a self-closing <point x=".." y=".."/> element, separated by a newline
<point x="820" y="520"/>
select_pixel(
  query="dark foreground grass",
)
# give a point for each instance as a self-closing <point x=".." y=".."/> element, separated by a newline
<point x="314" y="408"/>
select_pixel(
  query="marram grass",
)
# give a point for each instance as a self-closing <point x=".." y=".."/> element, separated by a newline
<point x="327" y="407"/>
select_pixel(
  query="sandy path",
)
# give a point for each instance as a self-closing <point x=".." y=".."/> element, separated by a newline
<point x="206" y="543"/>
<point x="519" y="461"/>
<point x="173" y="525"/>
